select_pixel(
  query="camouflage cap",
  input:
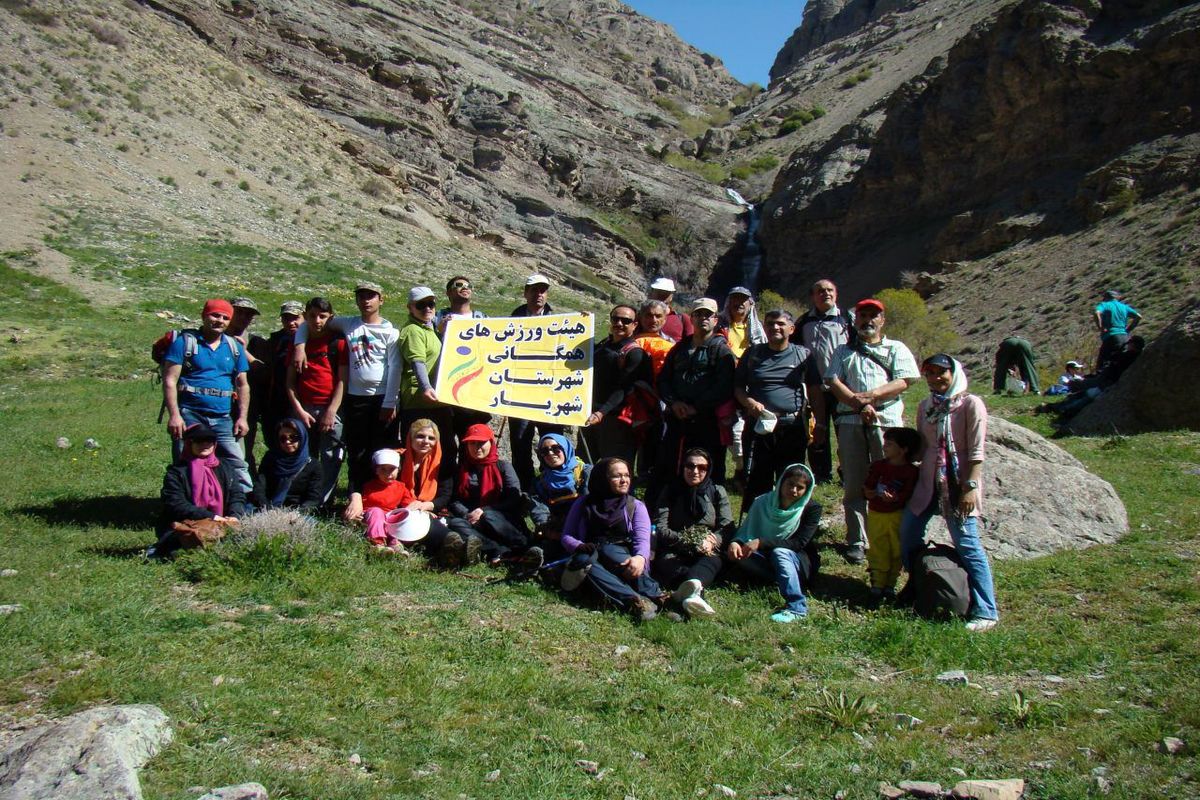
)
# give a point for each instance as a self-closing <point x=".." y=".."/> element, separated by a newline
<point x="369" y="286"/>
<point x="292" y="307"/>
<point x="244" y="302"/>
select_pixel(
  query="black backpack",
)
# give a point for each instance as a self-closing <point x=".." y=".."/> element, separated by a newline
<point x="938" y="585"/>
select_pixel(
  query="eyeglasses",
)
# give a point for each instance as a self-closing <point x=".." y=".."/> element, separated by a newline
<point x="621" y="320"/>
<point x="549" y="450"/>
<point x="425" y="305"/>
<point x="289" y="437"/>
<point x="696" y="467"/>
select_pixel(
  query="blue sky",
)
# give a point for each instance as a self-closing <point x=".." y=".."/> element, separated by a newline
<point x="745" y="35"/>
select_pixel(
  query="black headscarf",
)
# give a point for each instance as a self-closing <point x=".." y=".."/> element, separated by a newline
<point x="695" y="495"/>
<point x="278" y="467"/>
<point x="604" y="509"/>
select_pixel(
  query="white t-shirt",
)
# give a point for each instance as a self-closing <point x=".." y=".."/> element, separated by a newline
<point x="861" y="374"/>
<point x="373" y="355"/>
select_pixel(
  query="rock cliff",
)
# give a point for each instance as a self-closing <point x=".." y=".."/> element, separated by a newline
<point x="1051" y="150"/>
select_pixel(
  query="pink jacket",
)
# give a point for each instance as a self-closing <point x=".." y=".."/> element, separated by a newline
<point x="968" y="423"/>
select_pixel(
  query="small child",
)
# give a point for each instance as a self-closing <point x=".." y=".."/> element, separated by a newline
<point x="382" y="494"/>
<point x="889" y="484"/>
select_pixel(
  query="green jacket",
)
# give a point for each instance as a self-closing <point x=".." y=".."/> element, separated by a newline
<point x="417" y="342"/>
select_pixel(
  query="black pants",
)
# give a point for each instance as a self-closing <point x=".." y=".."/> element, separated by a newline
<point x="771" y="453"/>
<point x="364" y="433"/>
<point x="500" y="533"/>
<point x="820" y="452"/>
<point x="521" y="437"/>
<point x="672" y="569"/>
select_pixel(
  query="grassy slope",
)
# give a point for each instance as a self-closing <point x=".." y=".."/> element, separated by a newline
<point x="329" y="654"/>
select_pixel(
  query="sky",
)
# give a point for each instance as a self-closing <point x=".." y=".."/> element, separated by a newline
<point x="745" y="35"/>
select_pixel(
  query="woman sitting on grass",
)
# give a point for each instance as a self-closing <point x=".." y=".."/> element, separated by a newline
<point x="427" y="478"/>
<point x="607" y="534"/>
<point x="486" y="508"/>
<point x="778" y="541"/>
<point x="693" y="520"/>
<point x="563" y="479"/>
<point x="198" y="486"/>
<point x="953" y="425"/>
<point x="288" y="477"/>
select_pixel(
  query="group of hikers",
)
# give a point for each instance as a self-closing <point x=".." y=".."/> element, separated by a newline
<point x="673" y="396"/>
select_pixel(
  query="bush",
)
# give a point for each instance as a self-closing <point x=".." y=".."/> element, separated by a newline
<point x="926" y="331"/>
<point x="769" y="300"/>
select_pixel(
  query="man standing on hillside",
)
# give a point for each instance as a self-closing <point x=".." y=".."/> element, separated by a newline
<point x="676" y="326"/>
<point x="696" y="380"/>
<point x="202" y="374"/>
<point x="459" y="294"/>
<point x="866" y="378"/>
<point x="521" y="431"/>
<point x="1115" y="321"/>
<point x="373" y="385"/>
<point x="822" y="329"/>
<point x="771" y="377"/>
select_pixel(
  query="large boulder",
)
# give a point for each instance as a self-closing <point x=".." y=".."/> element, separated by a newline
<point x="92" y="754"/>
<point x="1158" y="392"/>
<point x="1039" y="499"/>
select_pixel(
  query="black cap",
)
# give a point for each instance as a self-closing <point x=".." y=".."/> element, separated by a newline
<point x="939" y="360"/>
<point x="199" y="431"/>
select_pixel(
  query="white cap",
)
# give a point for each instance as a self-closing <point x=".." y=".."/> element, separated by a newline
<point x="537" y="279"/>
<point x="386" y="456"/>
<point x="663" y="284"/>
<point x="420" y="293"/>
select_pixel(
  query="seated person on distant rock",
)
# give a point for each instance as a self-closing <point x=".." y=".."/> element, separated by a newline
<point x="1074" y="373"/>
<point x="1085" y="391"/>
<point x="288" y="476"/>
<point x="198" y="486"/>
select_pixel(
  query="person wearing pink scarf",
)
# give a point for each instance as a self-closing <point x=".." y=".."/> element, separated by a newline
<point x="953" y="426"/>
<point x="198" y="486"/>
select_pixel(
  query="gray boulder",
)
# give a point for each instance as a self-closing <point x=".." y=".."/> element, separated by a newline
<point x="1039" y="499"/>
<point x="92" y="754"/>
<point x="1143" y="400"/>
<point x="243" y="791"/>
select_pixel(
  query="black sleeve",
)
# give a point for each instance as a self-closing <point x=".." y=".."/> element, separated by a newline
<point x="177" y="498"/>
<point x="510" y="503"/>
<point x="807" y="530"/>
<point x="445" y="484"/>
<point x="667" y="537"/>
<point x="235" y="495"/>
<point x="726" y="526"/>
<point x="258" y="495"/>
<point x="666" y="377"/>
<point x="307" y="490"/>
<point x="741" y="374"/>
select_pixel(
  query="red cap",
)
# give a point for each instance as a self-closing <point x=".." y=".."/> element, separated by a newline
<point x="870" y="302"/>
<point x="479" y="433"/>
<point x="218" y="305"/>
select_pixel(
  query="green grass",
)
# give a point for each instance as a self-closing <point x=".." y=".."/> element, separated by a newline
<point x="277" y="666"/>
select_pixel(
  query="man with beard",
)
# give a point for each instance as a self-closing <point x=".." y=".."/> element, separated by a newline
<point x="866" y="379"/>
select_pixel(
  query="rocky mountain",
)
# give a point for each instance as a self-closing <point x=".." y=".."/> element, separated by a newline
<point x="528" y="133"/>
<point x="1008" y="159"/>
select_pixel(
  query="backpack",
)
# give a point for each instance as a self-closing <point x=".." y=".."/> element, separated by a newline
<point x="641" y="405"/>
<point x="938" y="584"/>
<point x="191" y="345"/>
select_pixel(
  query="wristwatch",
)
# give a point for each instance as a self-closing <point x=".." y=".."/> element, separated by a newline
<point x="970" y="485"/>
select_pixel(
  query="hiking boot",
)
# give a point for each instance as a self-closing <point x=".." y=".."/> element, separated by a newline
<point x="697" y="606"/>
<point x="643" y="609"/>
<point x="855" y="554"/>
<point x="453" y="551"/>
<point x="472" y="550"/>
<point x="532" y="559"/>
<point x="689" y="588"/>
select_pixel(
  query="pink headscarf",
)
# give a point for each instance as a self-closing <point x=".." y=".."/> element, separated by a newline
<point x="206" y="487"/>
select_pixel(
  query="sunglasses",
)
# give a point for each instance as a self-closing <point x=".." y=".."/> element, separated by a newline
<point x="425" y="305"/>
<point x="696" y="467"/>
<point x="549" y="449"/>
<point x="460" y="285"/>
<point x="289" y="437"/>
<point x="621" y="320"/>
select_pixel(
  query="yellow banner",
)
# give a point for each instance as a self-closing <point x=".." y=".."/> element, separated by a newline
<point x="536" y="368"/>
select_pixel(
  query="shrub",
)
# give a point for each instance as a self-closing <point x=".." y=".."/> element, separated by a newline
<point x="769" y="300"/>
<point x="714" y="173"/>
<point x="857" y="78"/>
<point x="244" y="185"/>
<point x="374" y="187"/>
<point x="926" y="331"/>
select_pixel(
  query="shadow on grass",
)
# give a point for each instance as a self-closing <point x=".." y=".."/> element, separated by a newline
<point x="115" y="511"/>
<point x="851" y="591"/>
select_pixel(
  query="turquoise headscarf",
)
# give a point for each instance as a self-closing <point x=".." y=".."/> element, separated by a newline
<point x="768" y="521"/>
